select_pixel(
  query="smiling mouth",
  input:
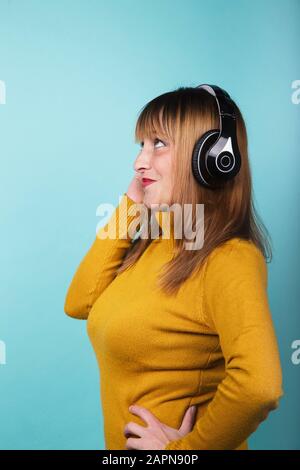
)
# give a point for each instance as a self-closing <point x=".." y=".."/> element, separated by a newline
<point x="147" y="182"/>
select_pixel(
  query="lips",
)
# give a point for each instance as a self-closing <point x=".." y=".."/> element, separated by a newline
<point x="146" y="181"/>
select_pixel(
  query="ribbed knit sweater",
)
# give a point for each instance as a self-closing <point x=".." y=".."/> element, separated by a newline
<point x="213" y="344"/>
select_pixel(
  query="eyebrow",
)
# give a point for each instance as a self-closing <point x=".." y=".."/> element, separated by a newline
<point x="162" y="139"/>
<point x="154" y="137"/>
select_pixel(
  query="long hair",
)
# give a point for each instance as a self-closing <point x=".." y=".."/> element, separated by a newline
<point x="182" y="116"/>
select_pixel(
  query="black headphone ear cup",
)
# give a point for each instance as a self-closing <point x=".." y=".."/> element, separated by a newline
<point x="203" y="144"/>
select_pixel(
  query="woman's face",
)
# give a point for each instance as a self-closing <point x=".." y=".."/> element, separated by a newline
<point x="155" y="161"/>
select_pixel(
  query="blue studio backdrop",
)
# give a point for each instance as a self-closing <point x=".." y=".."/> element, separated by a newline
<point x="73" y="76"/>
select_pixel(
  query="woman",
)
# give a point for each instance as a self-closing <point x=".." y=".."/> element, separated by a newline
<point x="184" y="335"/>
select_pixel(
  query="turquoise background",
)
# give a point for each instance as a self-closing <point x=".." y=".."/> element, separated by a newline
<point x="76" y="74"/>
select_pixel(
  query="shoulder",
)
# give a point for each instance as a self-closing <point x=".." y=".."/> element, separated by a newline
<point x="236" y="257"/>
<point x="235" y="281"/>
<point x="236" y="247"/>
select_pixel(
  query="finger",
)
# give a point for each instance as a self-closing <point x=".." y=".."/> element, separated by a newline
<point x="143" y="413"/>
<point x="132" y="443"/>
<point x="134" y="428"/>
<point x="188" y="420"/>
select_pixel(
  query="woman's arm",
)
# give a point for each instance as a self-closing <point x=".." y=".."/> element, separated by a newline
<point x="97" y="269"/>
<point x="235" y="305"/>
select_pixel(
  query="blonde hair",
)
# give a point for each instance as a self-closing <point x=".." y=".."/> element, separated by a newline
<point x="182" y="116"/>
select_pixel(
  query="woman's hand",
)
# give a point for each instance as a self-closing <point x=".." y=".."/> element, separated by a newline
<point x="157" y="435"/>
<point x="135" y="190"/>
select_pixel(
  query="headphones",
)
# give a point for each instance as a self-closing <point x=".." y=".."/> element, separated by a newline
<point x="216" y="157"/>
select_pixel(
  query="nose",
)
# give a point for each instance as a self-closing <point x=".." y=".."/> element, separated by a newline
<point x="142" y="162"/>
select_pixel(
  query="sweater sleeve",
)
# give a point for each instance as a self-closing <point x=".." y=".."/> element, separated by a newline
<point x="235" y="305"/>
<point x="97" y="269"/>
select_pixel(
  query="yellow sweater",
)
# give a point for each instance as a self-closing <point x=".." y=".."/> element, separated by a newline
<point x="213" y="344"/>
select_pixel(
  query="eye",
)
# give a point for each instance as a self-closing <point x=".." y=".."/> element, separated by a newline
<point x="155" y="142"/>
<point x="158" y="140"/>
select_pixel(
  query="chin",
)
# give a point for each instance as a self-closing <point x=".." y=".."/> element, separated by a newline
<point x="150" y="199"/>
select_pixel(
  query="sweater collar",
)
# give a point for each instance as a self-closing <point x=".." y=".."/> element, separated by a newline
<point x="165" y="220"/>
<point x="172" y="231"/>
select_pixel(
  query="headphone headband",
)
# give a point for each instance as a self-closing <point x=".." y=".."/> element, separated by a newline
<point x="225" y="108"/>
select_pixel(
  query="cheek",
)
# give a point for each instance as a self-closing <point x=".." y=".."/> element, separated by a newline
<point x="165" y="168"/>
